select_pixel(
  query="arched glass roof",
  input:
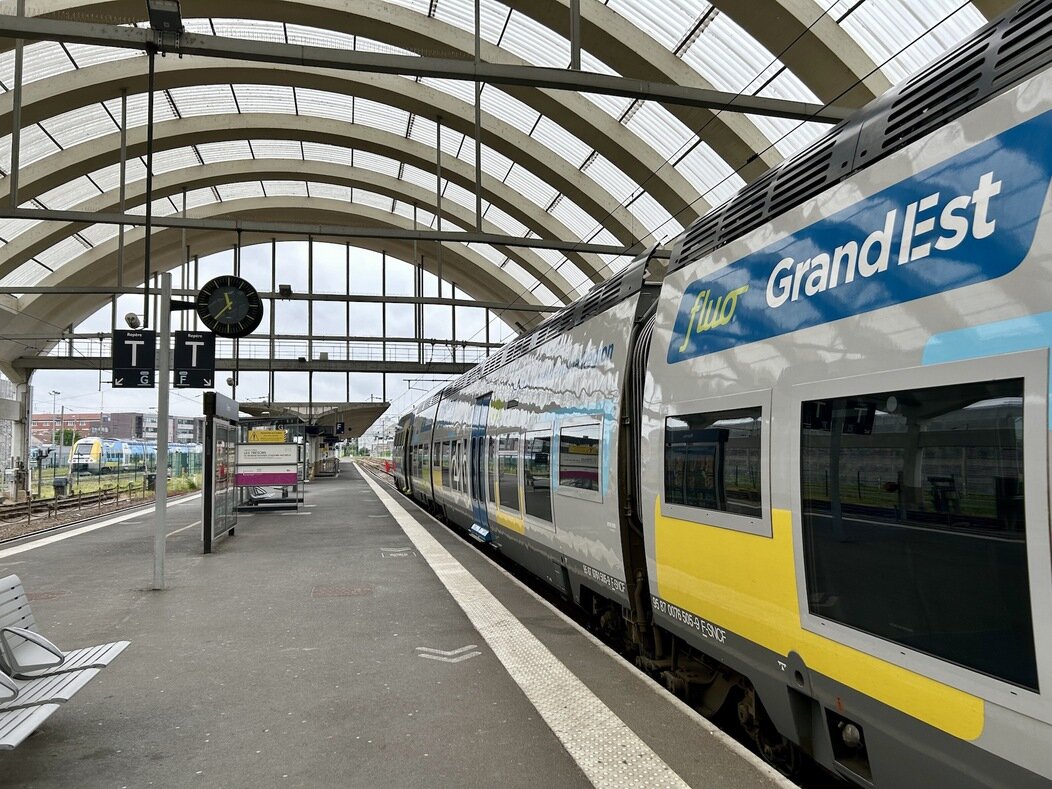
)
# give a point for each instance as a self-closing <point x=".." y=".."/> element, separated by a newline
<point x="577" y="167"/>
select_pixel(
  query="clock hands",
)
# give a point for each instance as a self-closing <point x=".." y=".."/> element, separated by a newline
<point x="229" y="305"/>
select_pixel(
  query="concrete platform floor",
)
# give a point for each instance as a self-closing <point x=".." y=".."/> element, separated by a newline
<point x="303" y="653"/>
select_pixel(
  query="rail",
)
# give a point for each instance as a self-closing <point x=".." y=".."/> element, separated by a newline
<point x="52" y="507"/>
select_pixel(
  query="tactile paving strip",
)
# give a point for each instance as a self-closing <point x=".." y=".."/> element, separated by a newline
<point x="608" y="752"/>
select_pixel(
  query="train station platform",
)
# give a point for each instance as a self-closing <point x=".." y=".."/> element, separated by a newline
<point x="355" y="642"/>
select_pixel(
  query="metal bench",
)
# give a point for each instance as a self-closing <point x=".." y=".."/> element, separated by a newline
<point x="37" y="676"/>
<point x="26" y="704"/>
<point x="26" y="654"/>
<point x="16" y="725"/>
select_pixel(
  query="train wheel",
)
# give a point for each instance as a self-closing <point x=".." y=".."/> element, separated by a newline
<point x="775" y="749"/>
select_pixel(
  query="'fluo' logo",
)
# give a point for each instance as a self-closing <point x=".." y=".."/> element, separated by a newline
<point x="713" y="312"/>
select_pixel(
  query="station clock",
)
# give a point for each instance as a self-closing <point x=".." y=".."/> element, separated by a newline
<point x="229" y="306"/>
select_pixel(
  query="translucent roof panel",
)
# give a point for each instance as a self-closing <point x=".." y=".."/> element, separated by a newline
<point x="526" y="183"/>
<point x="501" y="105"/>
<point x="203" y="100"/>
<point x="70" y="194"/>
<point x="72" y="127"/>
<point x="240" y="191"/>
<point x="665" y="21"/>
<point x="213" y="152"/>
<point x="902" y="36"/>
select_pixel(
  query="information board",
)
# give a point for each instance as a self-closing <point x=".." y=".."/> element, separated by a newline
<point x="267" y="464"/>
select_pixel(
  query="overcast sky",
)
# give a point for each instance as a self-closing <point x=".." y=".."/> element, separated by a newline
<point x="87" y="391"/>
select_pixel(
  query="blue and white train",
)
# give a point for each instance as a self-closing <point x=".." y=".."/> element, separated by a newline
<point x="102" y="456"/>
<point x="804" y="470"/>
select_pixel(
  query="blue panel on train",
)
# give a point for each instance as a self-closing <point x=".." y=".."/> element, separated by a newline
<point x="968" y="219"/>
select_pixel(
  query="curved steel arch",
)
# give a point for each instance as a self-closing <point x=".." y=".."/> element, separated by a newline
<point x="72" y="90"/>
<point x="35" y="240"/>
<point x="97" y="267"/>
<point x="415" y="32"/>
<point x="58" y="168"/>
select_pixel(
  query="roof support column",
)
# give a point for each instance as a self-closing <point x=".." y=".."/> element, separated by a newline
<point x="478" y="120"/>
<point x="152" y="52"/>
<point x="575" y="35"/>
<point x="183" y="317"/>
<point x="383" y="293"/>
<point x="347" y="323"/>
<point x="310" y="303"/>
<point x="273" y="317"/>
<point x="123" y="186"/>
<point x="16" y="120"/>
<point x="438" y="209"/>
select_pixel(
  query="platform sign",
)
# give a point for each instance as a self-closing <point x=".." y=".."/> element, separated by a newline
<point x="134" y="358"/>
<point x="339" y="428"/>
<point x="267" y="454"/>
<point x="258" y="436"/>
<point x="265" y="475"/>
<point x="195" y="360"/>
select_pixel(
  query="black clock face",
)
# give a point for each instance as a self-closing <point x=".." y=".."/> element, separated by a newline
<point x="229" y="306"/>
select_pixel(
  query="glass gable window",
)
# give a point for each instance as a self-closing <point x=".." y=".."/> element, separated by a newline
<point x="508" y="472"/>
<point x="538" y="475"/>
<point x="579" y="456"/>
<point x="712" y="461"/>
<point x="914" y="524"/>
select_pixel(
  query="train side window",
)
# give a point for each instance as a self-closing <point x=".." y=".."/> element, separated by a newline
<point x="508" y="472"/>
<point x="580" y="452"/>
<point x="446" y="449"/>
<point x="713" y="461"/>
<point x="538" y="475"/>
<point x="491" y="468"/>
<point x="913" y="522"/>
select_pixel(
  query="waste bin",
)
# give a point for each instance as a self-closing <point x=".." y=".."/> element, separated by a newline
<point x="151" y="481"/>
<point x="60" y="483"/>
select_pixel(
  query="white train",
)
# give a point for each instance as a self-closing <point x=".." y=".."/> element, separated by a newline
<point x="804" y="471"/>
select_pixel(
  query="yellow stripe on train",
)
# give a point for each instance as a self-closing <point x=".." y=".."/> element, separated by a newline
<point x="747" y="584"/>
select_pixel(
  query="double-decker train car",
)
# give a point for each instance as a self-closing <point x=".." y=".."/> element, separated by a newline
<point x="811" y="483"/>
<point x="544" y="411"/>
<point x="95" y="455"/>
<point x="101" y="456"/>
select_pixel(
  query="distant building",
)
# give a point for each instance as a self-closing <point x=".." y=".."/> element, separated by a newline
<point x="181" y="429"/>
<point x="45" y="426"/>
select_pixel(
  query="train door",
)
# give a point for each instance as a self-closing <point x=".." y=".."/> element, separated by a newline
<point x="477" y="470"/>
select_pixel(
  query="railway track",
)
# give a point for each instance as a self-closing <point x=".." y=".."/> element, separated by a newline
<point x="49" y="508"/>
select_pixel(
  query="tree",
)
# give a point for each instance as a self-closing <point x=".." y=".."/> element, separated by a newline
<point x="66" y="437"/>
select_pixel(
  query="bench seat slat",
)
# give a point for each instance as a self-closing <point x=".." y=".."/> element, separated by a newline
<point x="16" y="725"/>
<point x="87" y="657"/>
<point x="55" y="689"/>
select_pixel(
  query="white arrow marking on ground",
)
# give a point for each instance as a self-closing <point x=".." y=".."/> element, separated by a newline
<point x="447" y="657"/>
